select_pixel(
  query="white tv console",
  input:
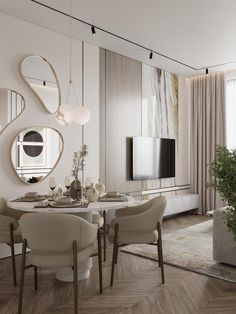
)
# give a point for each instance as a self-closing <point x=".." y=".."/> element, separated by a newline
<point x="176" y="204"/>
<point x="181" y="203"/>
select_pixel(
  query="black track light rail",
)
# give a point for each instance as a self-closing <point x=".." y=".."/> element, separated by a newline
<point x="93" y="27"/>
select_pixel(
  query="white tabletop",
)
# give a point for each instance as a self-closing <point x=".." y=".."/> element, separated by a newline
<point x="96" y="206"/>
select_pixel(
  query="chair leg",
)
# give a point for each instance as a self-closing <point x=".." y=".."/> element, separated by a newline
<point x="114" y="256"/>
<point x="105" y="236"/>
<point x="117" y="251"/>
<point x="100" y="261"/>
<point x="75" y="271"/>
<point x="22" y="277"/>
<point x="35" y="277"/>
<point x="160" y="252"/>
<point x="11" y="230"/>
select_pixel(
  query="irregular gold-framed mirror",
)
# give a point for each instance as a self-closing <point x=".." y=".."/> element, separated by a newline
<point x="35" y="152"/>
<point x="40" y="76"/>
<point x="12" y="104"/>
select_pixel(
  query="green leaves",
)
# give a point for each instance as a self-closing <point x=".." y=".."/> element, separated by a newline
<point x="223" y="180"/>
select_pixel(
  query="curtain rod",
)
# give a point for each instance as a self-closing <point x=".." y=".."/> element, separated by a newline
<point x="128" y="40"/>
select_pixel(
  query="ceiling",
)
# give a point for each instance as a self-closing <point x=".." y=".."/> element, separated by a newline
<point x="198" y="33"/>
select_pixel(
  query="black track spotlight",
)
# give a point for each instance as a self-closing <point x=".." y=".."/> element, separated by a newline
<point x="93" y="30"/>
<point x="150" y="55"/>
<point x="207" y="71"/>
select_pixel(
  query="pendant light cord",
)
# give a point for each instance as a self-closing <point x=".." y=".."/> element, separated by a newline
<point x="70" y="44"/>
<point x="82" y="73"/>
<point x="71" y="86"/>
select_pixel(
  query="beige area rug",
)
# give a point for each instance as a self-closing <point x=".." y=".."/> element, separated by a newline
<point x="190" y="248"/>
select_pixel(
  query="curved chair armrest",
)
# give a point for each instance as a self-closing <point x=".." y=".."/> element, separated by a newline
<point x="88" y="233"/>
<point x="5" y="221"/>
<point x="130" y="210"/>
<point x="140" y="222"/>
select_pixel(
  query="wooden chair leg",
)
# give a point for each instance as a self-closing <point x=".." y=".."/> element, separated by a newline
<point x="114" y="256"/>
<point x="11" y="230"/>
<point x="160" y="252"/>
<point x="22" y="277"/>
<point x="117" y="251"/>
<point x="35" y="277"/>
<point x="75" y="271"/>
<point x="105" y="236"/>
<point x="100" y="261"/>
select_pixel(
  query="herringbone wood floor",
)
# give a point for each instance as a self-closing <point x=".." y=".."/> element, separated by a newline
<point x="137" y="288"/>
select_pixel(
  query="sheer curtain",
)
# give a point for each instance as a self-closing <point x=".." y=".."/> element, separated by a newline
<point x="231" y="113"/>
<point x="207" y="130"/>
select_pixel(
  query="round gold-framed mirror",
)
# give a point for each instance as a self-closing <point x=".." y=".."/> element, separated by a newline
<point x="35" y="152"/>
<point x="12" y="104"/>
<point x="40" y="76"/>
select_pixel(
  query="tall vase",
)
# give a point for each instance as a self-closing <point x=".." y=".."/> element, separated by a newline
<point x="76" y="189"/>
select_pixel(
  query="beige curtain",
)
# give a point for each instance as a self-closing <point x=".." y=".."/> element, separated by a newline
<point x="207" y="130"/>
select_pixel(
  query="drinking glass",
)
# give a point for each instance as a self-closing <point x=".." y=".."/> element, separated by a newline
<point x="67" y="185"/>
<point x="52" y="184"/>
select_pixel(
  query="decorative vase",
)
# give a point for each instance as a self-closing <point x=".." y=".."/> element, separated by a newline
<point x="59" y="193"/>
<point x="92" y="194"/>
<point x="100" y="187"/>
<point x="76" y="189"/>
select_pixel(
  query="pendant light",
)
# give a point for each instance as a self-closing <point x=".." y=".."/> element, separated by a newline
<point x="66" y="113"/>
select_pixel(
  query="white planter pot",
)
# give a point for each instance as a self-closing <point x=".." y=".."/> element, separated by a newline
<point x="224" y="244"/>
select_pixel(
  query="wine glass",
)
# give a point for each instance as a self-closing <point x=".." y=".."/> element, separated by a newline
<point x="67" y="185"/>
<point x="52" y="184"/>
<point x="88" y="182"/>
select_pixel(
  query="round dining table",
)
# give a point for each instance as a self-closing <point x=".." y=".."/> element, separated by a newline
<point x="66" y="274"/>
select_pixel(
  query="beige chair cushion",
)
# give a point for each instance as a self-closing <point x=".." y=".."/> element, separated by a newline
<point x="134" y="237"/>
<point x="45" y="259"/>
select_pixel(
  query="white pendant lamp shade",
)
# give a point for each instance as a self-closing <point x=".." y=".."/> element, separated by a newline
<point x="82" y="115"/>
<point x="65" y="114"/>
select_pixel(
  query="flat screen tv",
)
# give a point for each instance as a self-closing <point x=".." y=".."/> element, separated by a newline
<point x="153" y="158"/>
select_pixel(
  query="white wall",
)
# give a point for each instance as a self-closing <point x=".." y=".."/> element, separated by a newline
<point x="19" y="39"/>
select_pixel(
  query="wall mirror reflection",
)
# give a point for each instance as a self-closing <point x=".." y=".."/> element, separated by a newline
<point x="12" y="104"/>
<point x="35" y="153"/>
<point x="40" y="76"/>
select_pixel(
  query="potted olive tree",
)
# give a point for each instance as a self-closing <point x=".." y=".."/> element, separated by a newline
<point x="223" y="180"/>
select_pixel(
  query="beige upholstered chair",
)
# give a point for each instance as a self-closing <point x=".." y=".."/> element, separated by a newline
<point x="58" y="240"/>
<point x="9" y="231"/>
<point x="137" y="225"/>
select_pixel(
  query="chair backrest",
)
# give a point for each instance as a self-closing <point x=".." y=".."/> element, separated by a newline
<point x="6" y="211"/>
<point x="155" y="212"/>
<point x="3" y="206"/>
<point x="55" y="233"/>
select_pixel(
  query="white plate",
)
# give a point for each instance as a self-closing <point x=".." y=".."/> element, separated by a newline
<point x="64" y="201"/>
<point x="70" y="205"/>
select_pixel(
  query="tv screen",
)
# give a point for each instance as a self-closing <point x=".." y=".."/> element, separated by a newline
<point x="153" y="158"/>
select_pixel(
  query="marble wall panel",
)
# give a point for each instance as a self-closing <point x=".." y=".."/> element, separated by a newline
<point x="159" y="111"/>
